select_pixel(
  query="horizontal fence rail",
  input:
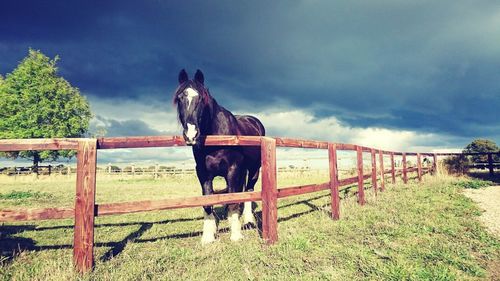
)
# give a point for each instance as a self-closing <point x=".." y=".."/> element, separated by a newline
<point x="86" y="209"/>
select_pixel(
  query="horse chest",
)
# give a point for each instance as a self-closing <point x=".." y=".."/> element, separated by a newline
<point x="220" y="161"/>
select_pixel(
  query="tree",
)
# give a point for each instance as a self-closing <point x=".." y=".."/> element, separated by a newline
<point x="481" y="145"/>
<point x="460" y="164"/>
<point x="37" y="103"/>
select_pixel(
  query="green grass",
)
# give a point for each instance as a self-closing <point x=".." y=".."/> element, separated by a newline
<point x="22" y="195"/>
<point x="425" y="231"/>
<point x="474" y="183"/>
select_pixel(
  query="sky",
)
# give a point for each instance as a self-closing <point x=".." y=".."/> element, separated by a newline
<point x="397" y="75"/>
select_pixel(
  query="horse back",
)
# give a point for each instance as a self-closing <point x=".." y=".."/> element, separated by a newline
<point x="250" y="126"/>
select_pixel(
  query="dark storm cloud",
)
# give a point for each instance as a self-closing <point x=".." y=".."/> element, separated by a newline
<point x="116" y="128"/>
<point x="426" y="66"/>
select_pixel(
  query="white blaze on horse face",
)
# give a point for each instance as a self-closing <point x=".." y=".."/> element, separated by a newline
<point x="209" y="229"/>
<point x="234" y="219"/>
<point x="190" y="94"/>
<point x="191" y="131"/>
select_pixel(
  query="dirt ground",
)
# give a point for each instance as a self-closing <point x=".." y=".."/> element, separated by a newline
<point x="489" y="200"/>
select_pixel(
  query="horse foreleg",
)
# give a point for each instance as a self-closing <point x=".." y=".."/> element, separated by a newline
<point x="209" y="223"/>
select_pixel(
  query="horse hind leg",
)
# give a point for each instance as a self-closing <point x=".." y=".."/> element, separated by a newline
<point x="235" y="184"/>
<point x="248" y="216"/>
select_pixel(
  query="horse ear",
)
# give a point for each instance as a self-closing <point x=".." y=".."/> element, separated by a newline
<point x="198" y="77"/>
<point x="183" y="76"/>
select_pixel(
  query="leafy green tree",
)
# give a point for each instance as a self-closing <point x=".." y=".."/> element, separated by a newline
<point x="481" y="145"/>
<point x="37" y="103"/>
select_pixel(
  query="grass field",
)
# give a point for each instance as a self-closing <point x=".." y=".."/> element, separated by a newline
<point x="427" y="231"/>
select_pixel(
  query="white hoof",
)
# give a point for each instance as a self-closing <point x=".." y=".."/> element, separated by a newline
<point x="236" y="236"/>
<point x="207" y="239"/>
<point x="209" y="229"/>
<point x="234" y="218"/>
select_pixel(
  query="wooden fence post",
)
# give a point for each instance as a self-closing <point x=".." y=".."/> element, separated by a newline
<point x="434" y="164"/>
<point x="419" y="166"/>
<point x="490" y="164"/>
<point x="269" y="191"/>
<point x="334" y="180"/>
<point x="361" y="191"/>
<point x="374" y="170"/>
<point x="393" y="170"/>
<point x="405" y="172"/>
<point x="382" y="171"/>
<point x="83" y="248"/>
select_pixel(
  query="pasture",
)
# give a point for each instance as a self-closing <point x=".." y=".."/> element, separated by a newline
<point x="418" y="231"/>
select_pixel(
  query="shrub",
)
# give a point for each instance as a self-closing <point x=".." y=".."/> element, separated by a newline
<point x="457" y="164"/>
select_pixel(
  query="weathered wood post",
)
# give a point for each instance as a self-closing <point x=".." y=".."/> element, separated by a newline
<point x="133" y="169"/>
<point x="269" y="191"/>
<point x="334" y="180"/>
<point x="405" y="172"/>
<point x="434" y="164"/>
<point x="83" y="248"/>
<point x="419" y="166"/>
<point x="157" y="168"/>
<point x="382" y="171"/>
<point x="361" y="191"/>
<point x="393" y="169"/>
<point x="490" y="163"/>
<point x="374" y="170"/>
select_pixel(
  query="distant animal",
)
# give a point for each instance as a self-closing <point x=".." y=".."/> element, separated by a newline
<point x="201" y="115"/>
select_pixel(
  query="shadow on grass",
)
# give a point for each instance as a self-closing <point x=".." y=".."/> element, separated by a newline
<point x="485" y="176"/>
<point x="11" y="244"/>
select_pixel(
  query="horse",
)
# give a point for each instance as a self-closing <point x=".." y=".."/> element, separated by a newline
<point x="200" y="115"/>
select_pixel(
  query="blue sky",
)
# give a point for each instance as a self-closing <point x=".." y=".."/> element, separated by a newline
<point x="399" y="75"/>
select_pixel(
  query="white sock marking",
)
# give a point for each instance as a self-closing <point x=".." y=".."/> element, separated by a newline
<point x="234" y="219"/>
<point x="191" y="132"/>
<point x="209" y="229"/>
<point x="191" y="93"/>
<point x="248" y="216"/>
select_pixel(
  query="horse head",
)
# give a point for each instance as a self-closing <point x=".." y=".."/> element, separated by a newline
<point x="192" y="101"/>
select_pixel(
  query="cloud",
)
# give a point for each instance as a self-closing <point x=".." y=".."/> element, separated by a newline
<point x="115" y="128"/>
<point x="134" y="117"/>
<point x="300" y="124"/>
<point x="425" y="67"/>
<point x="128" y="118"/>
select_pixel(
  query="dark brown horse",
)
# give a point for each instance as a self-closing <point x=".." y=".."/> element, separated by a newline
<point x="200" y="115"/>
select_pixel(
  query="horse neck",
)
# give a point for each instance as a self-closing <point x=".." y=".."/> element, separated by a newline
<point x="222" y="121"/>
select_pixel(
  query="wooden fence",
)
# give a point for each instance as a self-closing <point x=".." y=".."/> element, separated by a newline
<point x="86" y="209"/>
